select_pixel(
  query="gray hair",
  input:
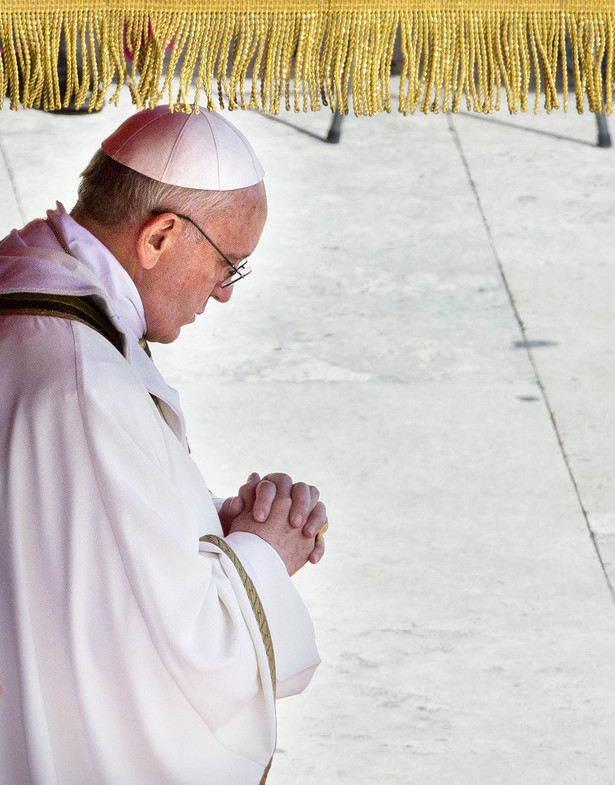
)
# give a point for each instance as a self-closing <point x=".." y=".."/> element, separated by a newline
<point x="112" y="194"/>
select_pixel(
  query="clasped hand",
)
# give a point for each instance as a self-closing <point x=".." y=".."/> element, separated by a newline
<point x="287" y="515"/>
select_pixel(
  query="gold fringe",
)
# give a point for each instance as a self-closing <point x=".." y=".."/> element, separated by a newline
<point x="303" y="55"/>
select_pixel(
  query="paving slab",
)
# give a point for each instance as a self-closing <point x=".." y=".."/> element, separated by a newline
<point x="464" y="619"/>
<point x="562" y="287"/>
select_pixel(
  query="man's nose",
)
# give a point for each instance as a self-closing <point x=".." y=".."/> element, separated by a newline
<point x="222" y="293"/>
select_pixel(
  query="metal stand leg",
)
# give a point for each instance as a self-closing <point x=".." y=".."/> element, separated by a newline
<point x="335" y="129"/>
<point x="604" y="137"/>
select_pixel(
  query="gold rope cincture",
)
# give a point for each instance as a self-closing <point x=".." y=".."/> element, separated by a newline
<point x="257" y="608"/>
<point x="268" y="54"/>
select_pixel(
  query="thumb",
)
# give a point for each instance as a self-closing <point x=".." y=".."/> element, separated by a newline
<point x="230" y="509"/>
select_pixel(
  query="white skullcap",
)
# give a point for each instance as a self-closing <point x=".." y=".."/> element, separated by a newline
<point x="188" y="150"/>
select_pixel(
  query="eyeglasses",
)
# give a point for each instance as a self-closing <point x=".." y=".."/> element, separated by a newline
<point x="238" y="271"/>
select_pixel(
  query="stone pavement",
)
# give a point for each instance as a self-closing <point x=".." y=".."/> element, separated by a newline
<point x="428" y="336"/>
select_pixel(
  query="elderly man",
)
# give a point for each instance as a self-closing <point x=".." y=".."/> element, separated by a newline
<point x="145" y="627"/>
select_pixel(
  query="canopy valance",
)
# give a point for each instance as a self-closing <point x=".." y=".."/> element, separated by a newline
<point x="270" y="53"/>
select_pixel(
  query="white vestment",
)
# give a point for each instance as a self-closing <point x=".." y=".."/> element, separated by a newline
<point x="129" y="651"/>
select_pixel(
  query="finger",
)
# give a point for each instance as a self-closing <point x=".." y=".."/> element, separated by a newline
<point x="265" y="494"/>
<point x="230" y="509"/>
<point x="302" y="504"/>
<point x="318" y="552"/>
<point x="248" y="490"/>
<point x="282" y="482"/>
<point x="316" y="520"/>
<point x="314" y="495"/>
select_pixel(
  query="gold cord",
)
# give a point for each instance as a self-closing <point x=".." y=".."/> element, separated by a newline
<point x="257" y="609"/>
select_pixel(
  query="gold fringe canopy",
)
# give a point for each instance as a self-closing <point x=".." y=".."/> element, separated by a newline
<point x="261" y="54"/>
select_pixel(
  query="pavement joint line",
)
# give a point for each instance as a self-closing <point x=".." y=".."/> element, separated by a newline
<point x="498" y="261"/>
<point x="11" y="175"/>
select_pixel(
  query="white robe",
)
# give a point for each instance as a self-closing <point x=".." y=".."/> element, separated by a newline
<point x="129" y="651"/>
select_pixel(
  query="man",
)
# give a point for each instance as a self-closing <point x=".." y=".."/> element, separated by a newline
<point x="145" y="628"/>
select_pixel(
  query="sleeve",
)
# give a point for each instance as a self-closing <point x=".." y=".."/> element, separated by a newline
<point x="289" y="623"/>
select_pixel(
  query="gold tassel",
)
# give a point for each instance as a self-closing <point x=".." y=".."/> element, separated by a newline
<point x="267" y="53"/>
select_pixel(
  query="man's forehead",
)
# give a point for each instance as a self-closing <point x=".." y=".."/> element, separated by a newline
<point x="239" y="225"/>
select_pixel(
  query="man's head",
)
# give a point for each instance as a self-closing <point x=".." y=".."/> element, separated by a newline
<point x="158" y="170"/>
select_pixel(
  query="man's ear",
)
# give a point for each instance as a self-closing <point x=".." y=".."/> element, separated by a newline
<point x="157" y="237"/>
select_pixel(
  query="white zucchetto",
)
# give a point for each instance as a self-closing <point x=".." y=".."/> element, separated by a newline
<point x="203" y="150"/>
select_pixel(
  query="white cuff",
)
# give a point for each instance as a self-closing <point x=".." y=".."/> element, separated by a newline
<point x="292" y="631"/>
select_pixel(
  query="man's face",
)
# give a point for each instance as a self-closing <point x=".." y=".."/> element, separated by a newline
<point x="186" y="277"/>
